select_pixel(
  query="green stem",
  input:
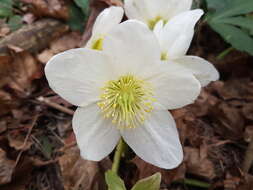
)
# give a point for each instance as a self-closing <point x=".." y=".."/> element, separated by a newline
<point x="117" y="155"/>
<point x="224" y="53"/>
<point x="196" y="183"/>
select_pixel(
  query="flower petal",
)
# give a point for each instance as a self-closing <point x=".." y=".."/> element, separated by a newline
<point x="106" y="20"/>
<point x="132" y="46"/>
<point x="78" y="74"/>
<point x="174" y="87"/>
<point x="203" y="70"/>
<point x="178" y="33"/>
<point x="96" y="137"/>
<point x="146" y="10"/>
<point x="157" y="141"/>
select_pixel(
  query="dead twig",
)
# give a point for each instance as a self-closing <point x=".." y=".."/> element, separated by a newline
<point x="55" y="105"/>
<point x="26" y="138"/>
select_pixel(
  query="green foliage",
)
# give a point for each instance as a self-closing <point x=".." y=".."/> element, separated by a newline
<point x="113" y="181"/>
<point x="5" y="8"/>
<point x="84" y="5"/>
<point x="15" y="22"/>
<point x="78" y="12"/>
<point x="227" y="17"/>
<point x="149" y="183"/>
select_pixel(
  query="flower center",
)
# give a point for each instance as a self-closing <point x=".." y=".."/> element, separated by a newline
<point x="164" y="56"/>
<point x="126" y="101"/>
<point x="152" y="22"/>
<point x="98" y="44"/>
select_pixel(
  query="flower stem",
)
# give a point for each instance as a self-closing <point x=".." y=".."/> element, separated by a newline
<point x="117" y="155"/>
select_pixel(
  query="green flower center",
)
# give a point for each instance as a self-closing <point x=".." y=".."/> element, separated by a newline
<point x="126" y="101"/>
<point x="154" y="21"/>
<point x="98" y="44"/>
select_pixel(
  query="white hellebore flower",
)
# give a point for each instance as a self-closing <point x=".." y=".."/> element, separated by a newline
<point x="173" y="24"/>
<point x="124" y="91"/>
<point x="106" y="20"/>
<point x="153" y="11"/>
<point x="175" y="38"/>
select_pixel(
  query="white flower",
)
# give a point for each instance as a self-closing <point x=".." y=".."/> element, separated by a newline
<point x="106" y="20"/>
<point x="175" y="38"/>
<point x="124" y="91"/>
<point x="153" y="11"/>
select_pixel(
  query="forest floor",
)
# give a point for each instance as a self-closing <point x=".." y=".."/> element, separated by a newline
<point x="37" y="146"/>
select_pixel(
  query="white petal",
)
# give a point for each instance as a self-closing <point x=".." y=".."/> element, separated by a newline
<point x="146" y="10"/>
<point x="132" y="11"/>
<point x="132" y="46"/>
<point x="178" y="33"/>
<point x="78" y="74"/>
<point x="204" y="71"/>
<point x="96" y="137"/>
<point x="157" y="141"/>
<point x="107" y="19"/>
<point x="177" y="6"/>
<point x="174" y="87"/>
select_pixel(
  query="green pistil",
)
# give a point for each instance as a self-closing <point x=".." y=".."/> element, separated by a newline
<point x="154" y="21"/>
<point x="164" y="56"/>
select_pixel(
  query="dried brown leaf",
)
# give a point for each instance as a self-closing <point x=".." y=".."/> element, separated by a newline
<point x="197" y="162"/>
<point x="6" y="168"/>
<point x="78" y="173"/>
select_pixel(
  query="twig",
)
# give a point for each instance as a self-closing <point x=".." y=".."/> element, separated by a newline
<point x="26" y="138"/>
<point x="55" y="105"/>
<point x="248" y="157"/>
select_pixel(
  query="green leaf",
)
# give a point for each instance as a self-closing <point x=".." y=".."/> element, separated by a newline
<point x="241" y="21"/>
<point x="228" y="18"/>
<point x="77" y="18"/>
<point x="15" y="22"/>
<point x="5" y="8"/>
<point x="149" y="183"/>
<point x="83" y="4"/>
<point x="47" y="147"/>
<point x="235" y="36"/>
<point x="113" y="181"/>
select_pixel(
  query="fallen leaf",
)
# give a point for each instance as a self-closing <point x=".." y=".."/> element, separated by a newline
<point x="197" y="162"/>
<point x="52" y="8"/>
<point x="78" y="173"/>
<point x="6" y="168"/>
<point x="145" y="170"/>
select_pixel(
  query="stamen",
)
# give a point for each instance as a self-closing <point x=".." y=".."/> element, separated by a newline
<point x="126" y="101"/>
<point x="98" y="44"/>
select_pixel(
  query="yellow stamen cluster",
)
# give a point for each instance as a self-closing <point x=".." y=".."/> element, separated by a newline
<point x="152" y="22"/>
<point x="126" y="101"/>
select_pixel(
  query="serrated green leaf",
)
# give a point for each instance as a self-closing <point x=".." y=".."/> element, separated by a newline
<point x="241" y="21"/>
<point x="6" y="8"/>
<point x="83" y="4"/>
<point x="235" y="36"/>
<point x="149" y="183"/>
<point x="230" y="7"/>
<point x="77" y="18"/>
<point x="231" y="23"/>
<point x="15" y="22"/>
<point x="113" y="181"/>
